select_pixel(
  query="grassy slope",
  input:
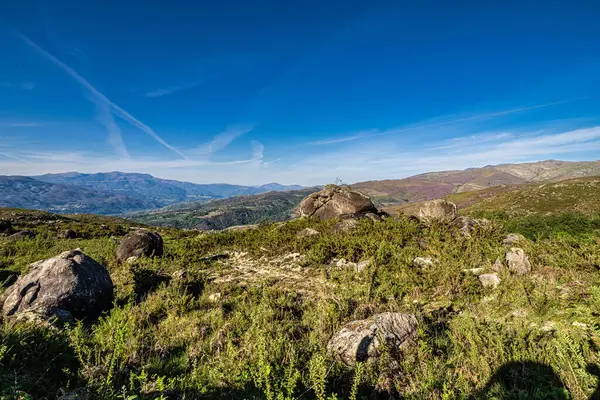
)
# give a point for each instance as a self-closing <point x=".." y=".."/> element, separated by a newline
<point x="266" y="334"/>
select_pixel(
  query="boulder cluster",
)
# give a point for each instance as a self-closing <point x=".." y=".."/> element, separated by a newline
<point x="72" y="285"/>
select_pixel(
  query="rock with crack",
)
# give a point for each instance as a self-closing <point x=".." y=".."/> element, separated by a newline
<point x="334" y="201"/>
<point x="517" y="261"/>
<point x="70" y="285"/>
<point x="363" y="340"/>
<point x="439" y="209"/>
<point x="137" y="244"/>
<point x="490" y="281"/>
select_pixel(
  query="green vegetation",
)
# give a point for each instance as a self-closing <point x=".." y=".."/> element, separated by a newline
<point x="256" y="325"/>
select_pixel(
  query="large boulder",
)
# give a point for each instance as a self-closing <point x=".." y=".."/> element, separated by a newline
<point x="334" y="201"/>
<point x="362" y="340"/>
<point x="139" y="244"/>
<point x="517" y="261"/>
<point x="439" y="209"/>
<point x="70" y="285"/>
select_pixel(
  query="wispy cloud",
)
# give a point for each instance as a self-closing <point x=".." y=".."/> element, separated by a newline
<point x="222" y="140"/>
<point x="115" y="138"/>
<point x="99" y="98"/>
<point x="376" y="132"/>
<point x="172" y="89"/>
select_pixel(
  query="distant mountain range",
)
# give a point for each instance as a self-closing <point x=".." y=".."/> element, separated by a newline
<point x="391" y="195"/>
<point x="113" y="192"/>
<point x="116" y="193"/>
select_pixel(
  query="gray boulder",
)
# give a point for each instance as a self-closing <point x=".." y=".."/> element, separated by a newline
<point x="517" y="261"/>
<point x="22" y="235"/>
<point x="466" y="225"/>
<point x="70" y="285"/>
<point x="439" y="209"/>
<point x="334" y="201"/>
<point x="137" y="244"/>
<point x="362" y="340"/>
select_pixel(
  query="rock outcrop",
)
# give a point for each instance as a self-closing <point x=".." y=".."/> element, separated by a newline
<point x="334" y="201"/>
<point x="139" y="244"/>
<point x="439" y="209"/>
<point x="362" y="340"/>
<point x="70" y="285"/>
<point x="517" y="261"/>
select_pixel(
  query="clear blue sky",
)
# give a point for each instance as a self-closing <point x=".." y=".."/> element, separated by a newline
<point x="295" y="91"/>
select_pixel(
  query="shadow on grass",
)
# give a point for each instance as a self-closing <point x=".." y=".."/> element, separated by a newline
<point x="524" y="380"/>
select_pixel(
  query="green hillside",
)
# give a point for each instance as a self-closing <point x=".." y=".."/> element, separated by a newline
<point x="248" y="314"/>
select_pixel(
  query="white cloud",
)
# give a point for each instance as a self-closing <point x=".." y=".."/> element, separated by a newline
<point x="221" y="140"/>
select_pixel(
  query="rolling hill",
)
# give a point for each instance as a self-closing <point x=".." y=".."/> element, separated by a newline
<point x="432" y="185"/>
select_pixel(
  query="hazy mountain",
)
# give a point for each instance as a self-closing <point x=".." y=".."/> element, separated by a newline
<point x="162" y="191"/>
<point x="26" y="192"/>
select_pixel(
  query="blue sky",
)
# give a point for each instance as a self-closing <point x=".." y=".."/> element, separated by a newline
<point x="296" y="92"/>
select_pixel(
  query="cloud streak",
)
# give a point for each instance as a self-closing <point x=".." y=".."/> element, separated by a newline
<point x="222" y="140"/>
<point x="98" y="97"/>
<point x="375" y="133"/>
<point x="172" y="89"/>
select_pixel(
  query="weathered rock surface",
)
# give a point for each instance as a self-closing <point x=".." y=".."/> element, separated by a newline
<point x="22" y="235"/>
<point x="362" y="340"/>
<point x="513" y="238"/>
<point x="517" y="261"/>
<point x="70" y="285"/>
<point x="346" y="225"/>
<point x="334" y="201"/>
<point x="439" y="209"/>
<point x="466" y="225"/>
<point x="308" y="232"/>
<point x="490" y="281"/>
<point x="139" y="244"/>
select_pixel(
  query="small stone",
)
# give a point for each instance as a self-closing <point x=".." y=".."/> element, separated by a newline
<point x="345" y="226"/>
<point x="579" y="325"/>
<point x="548" y="326"/>
<point x="215" y="297"/>
<point x="22" y="235"/>
<point x="513" y="238"/>
<point x="490" y="281"/>
<point x="497" y="266"/>
<point x="518" y="262"/>
<point x="475" y="271"/>
<point x="439" y="209"/>
<point x="180" y="274"/>
<point x="308" y="232"/>
<point x="361" y="266"/>
<point x="423" y="262"/>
